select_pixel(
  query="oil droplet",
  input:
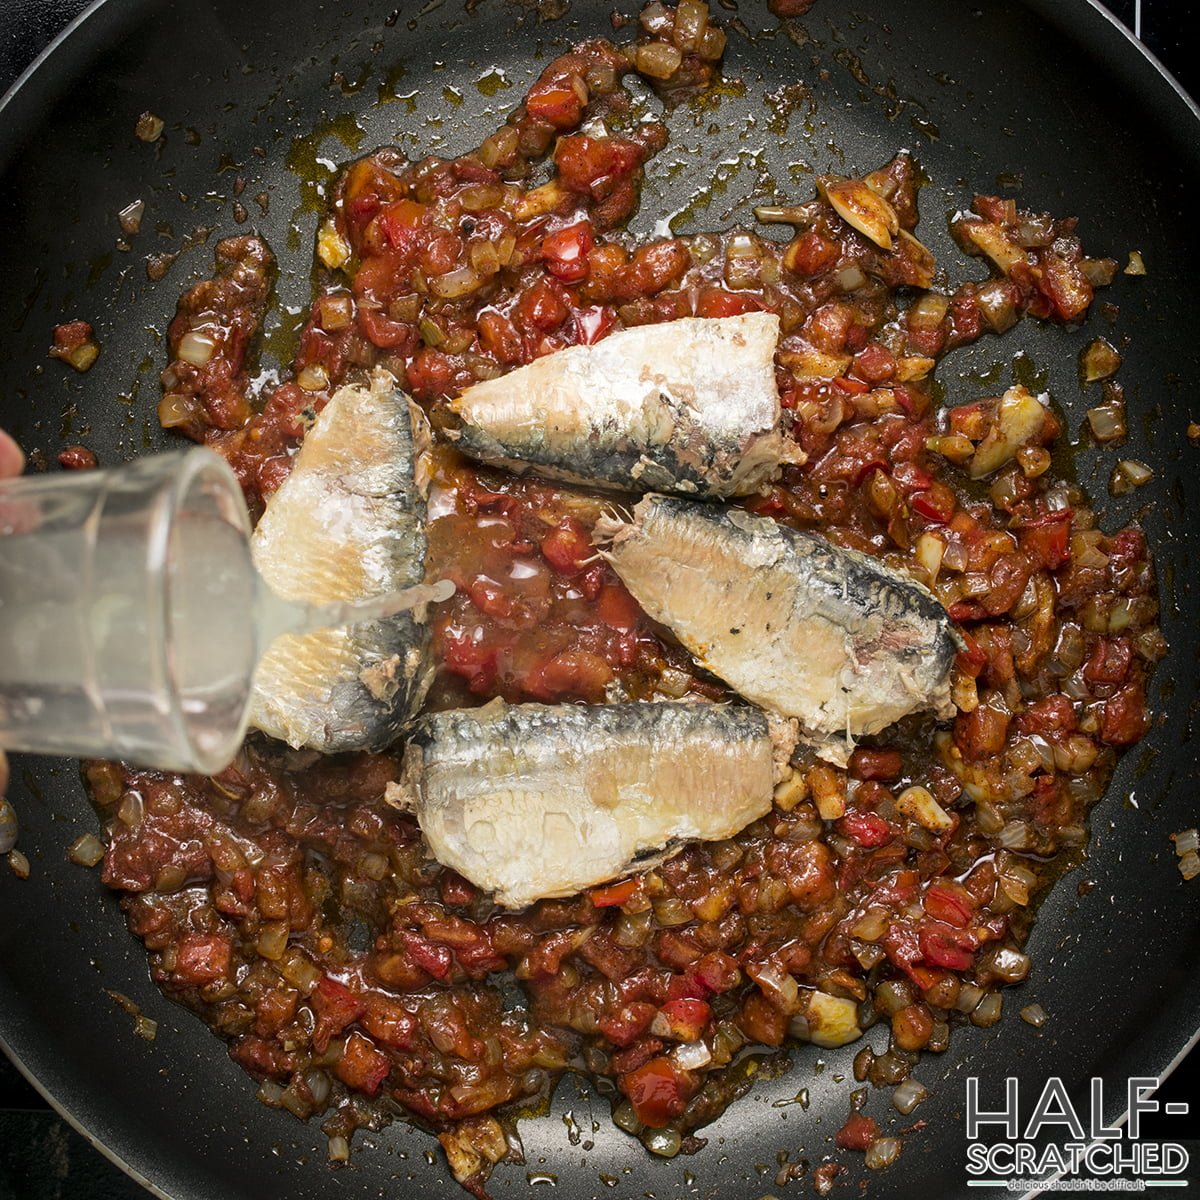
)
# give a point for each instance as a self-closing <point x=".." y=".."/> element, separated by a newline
<point x="1026" y="373"/>
<point x="494" y="81"/>
<point x="533" y="1178"/>
<point x="574" y="1133"/>
<point x="452" y="96"/>
<point x="925" y="127"/>
<point x="387" y="89"/>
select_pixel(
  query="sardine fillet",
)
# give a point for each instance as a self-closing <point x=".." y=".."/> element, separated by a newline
<point x="687" y="406"/>
<point x="534" y="801"/>
<point x="347" y="524"/>
<point x="791" y="621"/>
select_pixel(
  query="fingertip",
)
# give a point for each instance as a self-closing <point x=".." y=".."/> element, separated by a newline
<point x="12" y="457"/>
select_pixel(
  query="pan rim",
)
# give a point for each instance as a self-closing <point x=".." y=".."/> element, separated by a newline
<point x="1082" y="22"/>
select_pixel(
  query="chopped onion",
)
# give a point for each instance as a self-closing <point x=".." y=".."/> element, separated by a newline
<point x="691" y="17"/>
<point x="1107" y="422"/>
<point x="335" y="312"/>
<point x="778" y="986"/>
<point x="1189" y="865"/>
<point x="1100" y="272"/>
<point x="1010" y="965"/>
<point x="1035" y="1015"/>
<point x="953" y="446"/>
<point x="969" y="997"/>
<point x="456" y="283"/>
<point x="908" y="1095"/>
<point x="999" y="304"/>
<point x="130" y="217"/>
<point x="196" y="348"/>
<point x="1099" y="360"/>
<point x="1187" y="842"/>
<point x="692" y="1056"/>
<point x="9" y="827"/>
<point x="1127" y="475"/>
<point x="148" y="128"/>
<point x="339" y="1149"/>
<point x="893" y="995"/>
<point x="625" y="1117"/>
<point x="313" y="378"/>
<point x="18" y="864"/>
<point x="272" y="940"/>
<point x="1137" y="265"/>
<point x="918" y="804"/>
<point x="850" y="279"/>
<point x="828" y="792"/>
<point x="659" y="60"/>
<point x="663" y="1142"/>
<point x="1015" y="835"/>
<point x="86" y="851"/>
<point x="882" y="1152"/>
<point x="989" y="1011"/>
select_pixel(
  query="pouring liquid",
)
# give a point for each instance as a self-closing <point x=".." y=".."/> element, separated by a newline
<point x="115" y="644"/>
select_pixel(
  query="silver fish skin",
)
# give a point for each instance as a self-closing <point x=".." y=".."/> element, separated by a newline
<point x="534" y="801"/>
<point x="792" y="622"/>
<point x="348" y="524"/>
<point x="688" y="406"/>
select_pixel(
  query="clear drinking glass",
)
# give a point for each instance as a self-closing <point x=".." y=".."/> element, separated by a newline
<point x="126" y="601"/>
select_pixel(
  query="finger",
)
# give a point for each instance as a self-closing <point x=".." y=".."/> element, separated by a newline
<point x="12" y="457"/>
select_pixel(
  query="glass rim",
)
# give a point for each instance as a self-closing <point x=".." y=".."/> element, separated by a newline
<point x="195" y="465"/>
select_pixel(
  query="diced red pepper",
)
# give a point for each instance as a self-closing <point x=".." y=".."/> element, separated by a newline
<point x="912" y="478"/>
<point x="854" y="387"/>
<point x="628" y="1023"/>
<point x="594" y="164"/>
<point x="866" y="828"/>
<point x="363" y="1066"/>
<point x="617" y="608"/>
<point x="715" y="972"/>
<point x="761" y="1021"/>
<point x="945" y="946"/>
<point x="1049" y="540"/>
<point x="1052" y="717"/>
<point x="437" y="960"/>
<point x="202" y="958"/>
<point x="950" y="902"/>
<point x="565" y="251"/>
<point x="567" y="548"/>
<point x="400" y="221"/>
<point x="388" y="1021"/>
<point x="543" y="307"/>
<point x="336" y="1007"/>
<point x="1125" y="719"/>
<point x="685" y="1019"/>
<point x="972" y="659"/>
<point x="858" y="1132"/>
<point x="592" y="324"/>
<point x="1109" y="661"/>
<point x="882" y="764"/>
<point x="657" y="1091"/>
<point x="556" y="104"/>
<point x="936" y="505"/>
<point x="811" y="253"/>
<point x="615" y="894"/>
<point x="716" y="302"/>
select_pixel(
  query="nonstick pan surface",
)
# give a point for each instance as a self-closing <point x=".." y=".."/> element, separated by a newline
<point x="1050" y="97"/>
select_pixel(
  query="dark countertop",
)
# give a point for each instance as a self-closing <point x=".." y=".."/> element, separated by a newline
<point x="41" y="1157"/>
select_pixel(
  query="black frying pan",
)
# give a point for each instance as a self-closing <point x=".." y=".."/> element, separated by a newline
<point x="1052" y="91"/>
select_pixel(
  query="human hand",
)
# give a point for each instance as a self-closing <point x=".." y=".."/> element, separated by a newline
<point x="12" y="462"/>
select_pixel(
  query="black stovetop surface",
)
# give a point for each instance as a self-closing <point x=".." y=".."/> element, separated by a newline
<point x="41" y="1157"/>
